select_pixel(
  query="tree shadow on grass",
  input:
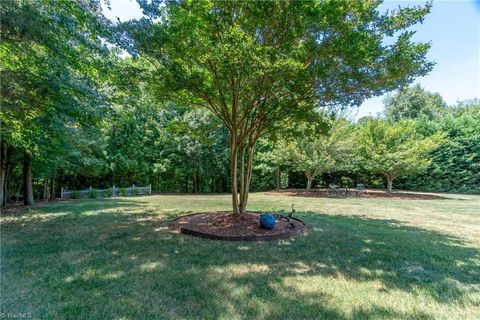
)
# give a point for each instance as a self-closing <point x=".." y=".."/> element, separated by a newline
<point x="110" y="260"/>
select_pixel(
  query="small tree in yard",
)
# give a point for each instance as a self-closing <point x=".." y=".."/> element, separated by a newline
<point x="280" y="141"/>
<point x="257" y="64"/>
<point x="315" y="153"/>
<point x="394" y="149"/>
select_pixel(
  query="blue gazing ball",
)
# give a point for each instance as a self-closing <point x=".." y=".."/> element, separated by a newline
<point x="267" y="221"/>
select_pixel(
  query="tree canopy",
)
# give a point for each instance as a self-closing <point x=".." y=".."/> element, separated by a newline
<point x="314" y="153"/>
<point x="394" y="149"/>
<point x="414" y="102"/>
<point x="53" y="60"/>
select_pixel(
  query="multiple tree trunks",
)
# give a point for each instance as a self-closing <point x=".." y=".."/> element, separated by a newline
<point x="246" y="174"/>
<point x="278" y="178"/>
<point x="233" y="174"/>
<point x="193" y="182"/>
<point x="46" y="190"/>
<point x="244" y="150"/>
<point x="5" y="168"/>
<point x="7" y="153"/>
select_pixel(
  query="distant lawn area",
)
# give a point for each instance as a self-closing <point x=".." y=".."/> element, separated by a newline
<point x="360" y="259"/>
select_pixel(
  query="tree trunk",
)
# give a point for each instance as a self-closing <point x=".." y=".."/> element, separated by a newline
<point x="309" y="184"/>
<point x="242" y="177"/>
<point x="234" y="172"/>
<point x="52" y="188"/>
<point x="197" y="182"/>
<point x="247" y="176"/>
<point x="18" y="193"/>
<point x="8" y="180"/>
<point x="239" y="201"/>
<point x="389" y="184"/>
<point x="46" y="191"/>
<point x="310" y="178"/>
<point x="3" y="173"/>
<point x="27" y="180"/>
<point x="278" y="178"/>
<point x="194" y="181"/>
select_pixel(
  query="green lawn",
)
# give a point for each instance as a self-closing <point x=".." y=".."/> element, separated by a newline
<point x="361" y="258"/>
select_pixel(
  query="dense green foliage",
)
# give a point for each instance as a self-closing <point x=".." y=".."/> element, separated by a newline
<point x="54" y="70"/>
<point x="455" y="165"/>
<point x="165" y="145"/>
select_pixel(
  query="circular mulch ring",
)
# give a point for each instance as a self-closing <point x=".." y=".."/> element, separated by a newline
<point x="245" y="227"/>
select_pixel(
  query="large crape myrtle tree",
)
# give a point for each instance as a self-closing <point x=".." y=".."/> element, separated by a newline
<point x="255" y="65"/>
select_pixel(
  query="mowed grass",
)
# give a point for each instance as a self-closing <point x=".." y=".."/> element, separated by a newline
<point x="361" y="259"/>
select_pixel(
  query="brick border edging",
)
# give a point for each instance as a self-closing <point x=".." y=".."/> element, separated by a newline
<point x="251" y="238"/>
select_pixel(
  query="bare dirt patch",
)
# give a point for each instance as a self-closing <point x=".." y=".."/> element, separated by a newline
<point x="366" y="194"/>
<point x="245" y="227"/>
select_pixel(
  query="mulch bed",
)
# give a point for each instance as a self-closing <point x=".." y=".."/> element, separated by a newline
<point x="367" y="194"/>
<point x="245" y="227"/>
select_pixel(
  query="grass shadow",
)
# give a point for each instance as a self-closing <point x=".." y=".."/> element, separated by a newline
<point x="112" y="259"/>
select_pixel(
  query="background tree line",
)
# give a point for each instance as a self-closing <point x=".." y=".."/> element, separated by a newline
<point x="179" y="149"/>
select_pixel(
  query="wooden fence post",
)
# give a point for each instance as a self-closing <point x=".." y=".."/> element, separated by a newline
<point x="150" y="188"/>
<point x="61" y="193"/>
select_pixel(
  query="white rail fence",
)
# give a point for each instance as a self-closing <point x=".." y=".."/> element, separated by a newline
<point x="103" y="193"/>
